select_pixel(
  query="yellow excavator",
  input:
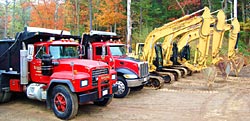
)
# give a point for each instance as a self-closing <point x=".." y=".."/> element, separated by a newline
<point x="201" y="24"/>
<point x="152" y="52"/>
<point x="217" y="38"/>
<point x="202" y="31"/>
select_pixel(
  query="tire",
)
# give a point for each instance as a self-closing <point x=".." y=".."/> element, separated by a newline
<point x="5" y="97"/>
<point x="104" y="101"/>
<point x="62" y="95"/>
<point x="123" y="89"/>
<point x="1" y="97"/>
<point x="138" y="88"/>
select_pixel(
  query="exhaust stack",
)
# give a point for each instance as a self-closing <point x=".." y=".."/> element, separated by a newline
<point x="24" y="67"/>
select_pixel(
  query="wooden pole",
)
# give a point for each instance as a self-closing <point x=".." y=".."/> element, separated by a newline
<point x="129" y="27"/>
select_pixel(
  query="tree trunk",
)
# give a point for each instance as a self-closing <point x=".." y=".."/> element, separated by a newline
<point x="56" y="15"/>
<point x="140" y="21"/>
<point x="210" y="4"/>
<point x="13" y="19"/>
<point x="6" y="18"/>
<point x="90" y="15"/>
<point x="129" y="27"/>
<point x="225" y="5"/>
<point x="183" y="12"/>
<point x="243" y="6"/>
<point x="77" y="17"/>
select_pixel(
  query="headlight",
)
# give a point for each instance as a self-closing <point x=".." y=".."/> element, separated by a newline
<point x="130" y="76"/>
<point x="84" y="83"/>
<point x="113" y="77"/>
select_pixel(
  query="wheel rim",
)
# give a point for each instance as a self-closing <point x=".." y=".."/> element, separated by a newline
<point x="121" y="87"/>
<point x="155" y="83"/>
<point x="60" y="102"/>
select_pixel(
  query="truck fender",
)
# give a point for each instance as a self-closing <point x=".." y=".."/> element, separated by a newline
<point x="122" y="71"/>
<point x="54" y="82"/>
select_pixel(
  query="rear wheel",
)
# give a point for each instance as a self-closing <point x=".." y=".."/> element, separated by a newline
<point x="5" y="97"/>
<point x="104" y="101"/>
<point x="123" y="89"/>
<point x="1" y="96"/>
<point x="64" y="103"/>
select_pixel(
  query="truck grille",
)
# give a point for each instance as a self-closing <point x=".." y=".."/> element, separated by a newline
<point x="143" y="68"/>
<point x="96" y="73"/>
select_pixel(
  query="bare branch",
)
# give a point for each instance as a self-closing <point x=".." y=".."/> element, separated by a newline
<point x="182" y="9"/>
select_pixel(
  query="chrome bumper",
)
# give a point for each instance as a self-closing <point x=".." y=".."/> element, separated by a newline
<point x="137" y="82"/>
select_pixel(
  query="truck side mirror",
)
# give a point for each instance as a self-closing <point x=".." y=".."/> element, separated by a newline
<point x="103" y="52"/>
<point x="30" y="52"/>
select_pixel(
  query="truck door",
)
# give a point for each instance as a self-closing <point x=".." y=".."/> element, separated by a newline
<point x="100" y="54"/>
<point x="35" y="65"/>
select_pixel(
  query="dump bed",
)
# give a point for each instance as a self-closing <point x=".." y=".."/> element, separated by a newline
<point x="9" y="55"/>
<point x="10" y="49"/>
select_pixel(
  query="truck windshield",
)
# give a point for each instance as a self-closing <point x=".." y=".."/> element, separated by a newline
<point x="62" y="51"/>
<point x="117" y="50"/>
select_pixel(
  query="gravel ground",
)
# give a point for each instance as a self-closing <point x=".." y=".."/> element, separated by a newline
<point x="185" y="100"/>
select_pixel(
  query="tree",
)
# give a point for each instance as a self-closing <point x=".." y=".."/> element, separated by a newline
<point x="76" y="16"/>
<point x="6" y="18"/>
<point x="111" y="13"/>
<point x="43" y="15"/>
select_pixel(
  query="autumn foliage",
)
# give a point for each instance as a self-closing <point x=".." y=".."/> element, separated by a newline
<point x="74" y="15"/>
<point x="46" y="14"/>
<point x="111" y="13"/>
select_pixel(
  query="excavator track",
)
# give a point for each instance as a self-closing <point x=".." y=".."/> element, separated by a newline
<point x="167" y="76"/>
<point x="184" y="71"/>
<point x="177" y="73"/>
<point x="156" y="82"/>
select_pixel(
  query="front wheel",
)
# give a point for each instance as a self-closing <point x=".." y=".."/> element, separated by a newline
<point x="123" y="89"/>
<point x="64" y="103"/>
<point x="104" y="101"/>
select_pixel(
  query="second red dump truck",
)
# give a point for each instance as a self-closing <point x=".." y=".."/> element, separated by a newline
<point x="106" y="47"/>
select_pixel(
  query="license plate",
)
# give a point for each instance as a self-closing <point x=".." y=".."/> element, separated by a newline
<point x="145" y="79"/>
<point x="104" y="92"/>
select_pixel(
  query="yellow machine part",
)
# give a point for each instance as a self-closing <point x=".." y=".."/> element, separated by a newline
<point x="218" y="34"/>
<point x="168" y="29"/>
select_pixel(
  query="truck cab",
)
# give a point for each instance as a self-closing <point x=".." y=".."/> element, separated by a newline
<point x="47" y="67"/>
<point x="106" y="47"/>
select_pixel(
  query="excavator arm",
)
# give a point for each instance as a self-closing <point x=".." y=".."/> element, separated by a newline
<point x="173" y="27"/>
<point x="218" y="34"/>
<point x="200" y="30"/>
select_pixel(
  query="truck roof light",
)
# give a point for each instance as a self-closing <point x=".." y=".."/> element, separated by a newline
<point x="75" y="72"/>
<point x="52" y="38"/>
<point x="71" y="39"/>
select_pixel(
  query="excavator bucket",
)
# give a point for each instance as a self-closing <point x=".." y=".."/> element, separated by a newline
<point x="224" y="67"/>
<point x="237" y="64"/>
<point x="209" y="74"/>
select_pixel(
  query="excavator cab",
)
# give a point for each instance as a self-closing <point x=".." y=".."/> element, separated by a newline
<point x="158" y="61"/>
<point x="185" y="53"/>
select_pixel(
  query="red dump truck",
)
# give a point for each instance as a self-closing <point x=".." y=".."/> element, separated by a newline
<point x="45" y="65"/>
<point x="107" y="47"/>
